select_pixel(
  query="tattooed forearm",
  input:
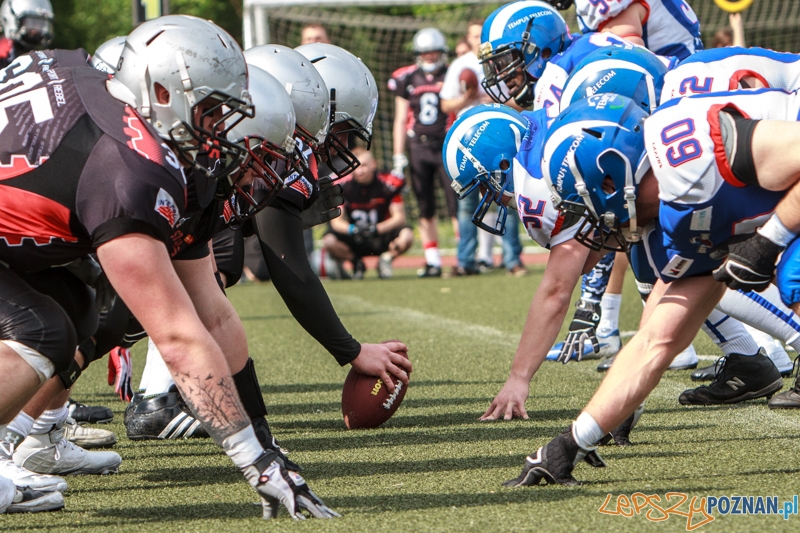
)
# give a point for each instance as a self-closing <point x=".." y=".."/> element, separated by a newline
<point x="215" y="403"/>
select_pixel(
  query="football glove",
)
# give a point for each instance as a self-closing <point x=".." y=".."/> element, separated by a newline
<point x="582" y="328"/>
<point x="120" y="372"/>
<point x="276" y="486"/>
<point x="749" y="262"/>
<point x="326" y="207"/>
<point x="399" y="164"/>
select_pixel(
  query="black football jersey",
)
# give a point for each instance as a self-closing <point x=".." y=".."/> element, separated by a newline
<point x="77" y="167"/>
<point x="369" y="204"/>
<point x="421" y="89"/>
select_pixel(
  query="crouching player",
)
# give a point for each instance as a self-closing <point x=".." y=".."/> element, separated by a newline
<point x="373" y="222"/>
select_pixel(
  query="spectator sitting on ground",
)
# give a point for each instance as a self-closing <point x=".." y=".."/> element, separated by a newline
<point x="373" y="219"/>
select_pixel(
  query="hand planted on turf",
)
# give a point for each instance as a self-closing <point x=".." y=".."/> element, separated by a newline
<point x="510" y="401"/>
<point x="120" y="372"/>
<point x="582" y="328"/>
<point x="384" y="361"/>
<point x="749" y="262"/>
<point x="276" y="486"/>
<point x="326" y="208"/>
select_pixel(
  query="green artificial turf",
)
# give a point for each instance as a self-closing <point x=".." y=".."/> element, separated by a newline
<point x="433" y="466"/>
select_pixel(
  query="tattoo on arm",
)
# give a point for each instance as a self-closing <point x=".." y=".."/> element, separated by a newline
<point x="215" y="403"/>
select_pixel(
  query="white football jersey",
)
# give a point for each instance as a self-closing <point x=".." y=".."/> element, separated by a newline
<point x="722" y="69"/>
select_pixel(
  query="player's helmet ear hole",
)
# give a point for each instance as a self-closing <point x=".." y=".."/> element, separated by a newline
<point x="504" y="164"/>
<point x="637" y="128"/>
<point x="608" y="185"/>
<point x="594" y="133"/>
<point x="546" y="53"/>
<point x="162" y="94"/>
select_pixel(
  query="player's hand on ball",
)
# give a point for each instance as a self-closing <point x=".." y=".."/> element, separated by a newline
<point x="276" y="486"/>
<point x="510" y="401"/>
<point x="384" y="361"/>
<point x="582" y="328"/>
<point x="749" y="262"/>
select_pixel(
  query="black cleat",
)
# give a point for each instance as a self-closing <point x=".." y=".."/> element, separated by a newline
<point x="606" y="363"/>
<point x="554" y="463"/>
<point x="89" y="414"/>
<point x="359" y="269"/>
<point x="739" y="378"/>
<point x="706" y="373"/>
<point x="164" y="416"/>
<point x="267" y="440"/>
<point x="430" y="271"/>
<point x="789" y="399"/>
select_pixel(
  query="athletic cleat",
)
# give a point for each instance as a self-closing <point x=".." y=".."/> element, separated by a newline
<point x="385" y="266"/>
<point x="706" y="373"/>
<point x="430" y="271"/>
<point x="136" y="400"/>
<point x="22" y="477"/>
<point x="621" y="435"/>
<point x="164" y="416"/>
<point x="89" y="414"/>
<point x="28" y="500"/>
<point x="359" y="269"/>
<point x="685" y="360"/>
<point x="51" y="453"/>
<point x="267" y="440"/>
<point x="789" y="399"/>
<point x="88" y="437"/>
<point x="739" y="378"/>
<point x="554" y="463"/>
<point x="609" y="345"/>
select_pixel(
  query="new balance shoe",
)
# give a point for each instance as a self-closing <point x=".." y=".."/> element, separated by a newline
<point x="267" y="440"/>
<point x="739" y="378"/>
<point x="22" y="477"/>
<point x="705" y="373"/>
<point x="554" y="462"/>
<point x="89" y="414"/>
<point x="28" y="500"/>
<point x="51" y="453"/>
<point x="164" y="416"/>
<point x="385" y="266"/>
<point x="685" y="360"/>
<point x="789" y="399"/>
<point x="88" y="437"/>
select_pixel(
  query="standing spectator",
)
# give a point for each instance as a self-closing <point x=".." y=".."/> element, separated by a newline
<point x="462" y="48"/>
<point x="457" y="99"/>
<point x="419" y="118"/>
<point x="373" y="221"/>
<point x="314" y="33"/>
<point x="732" y="35"/>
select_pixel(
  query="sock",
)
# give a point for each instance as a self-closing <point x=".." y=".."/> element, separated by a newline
<point x="243" y="447"/>
<point x="764" y="311"/>
<point x="3" y="431"/>
<point x="486" y="239"/>
<point x="159" y="380"/>
<point x="20" y="427"/>
<point x="249" y="390"/>
<point x="586" y="431"/>
<point x="729" y="334"/>
<point x="51" y="417"/>
<point x="432" y="256"/>
<point x="609" y="316"/>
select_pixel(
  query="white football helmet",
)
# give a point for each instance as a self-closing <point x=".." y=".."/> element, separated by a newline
<point x="28" y="23"/>
<point x="269" y="140"/>
<point x="429" y="40"/>
<point x="201" y="75"/>
<point x="305" y="87"/>
<point x="354" y="101"/>
<point x="106" y="57"/>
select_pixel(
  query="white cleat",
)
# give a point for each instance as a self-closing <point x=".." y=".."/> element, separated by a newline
<point x="88" y="437"/>
<point x="385" y="266"/>
<point x="22" y="477"/>
<point x="27" y="500"/>
<point x="685" y="360"/>
<point x="609" y="345"/>
<point x="51" y="453"/>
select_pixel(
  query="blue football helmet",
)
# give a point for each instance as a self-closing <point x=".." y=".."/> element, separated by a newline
<point x="517" y="41"/>
<point x="478" y="150"/>
<point x="594" y="158"/>
<point x="636" y="73"/>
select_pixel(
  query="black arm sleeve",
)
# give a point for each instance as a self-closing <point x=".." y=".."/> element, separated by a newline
<point x="280" y="232"/>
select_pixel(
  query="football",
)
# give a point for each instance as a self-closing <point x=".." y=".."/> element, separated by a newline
<point x="366" y="402"/>
<point x="468" y="79"/>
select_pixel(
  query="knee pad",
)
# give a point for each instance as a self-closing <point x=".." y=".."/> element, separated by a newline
<point x="737" y="139"/>
<point x="43" y="367"/>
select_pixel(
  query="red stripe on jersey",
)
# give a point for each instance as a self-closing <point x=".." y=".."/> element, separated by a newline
<point x="739" y="75"/>
<point x="141" y="141"/>
<point x="719" y="146"/>
<point x="28" y="215"/>
<point x="19" y="165"/>
<point x="402" y="71"/>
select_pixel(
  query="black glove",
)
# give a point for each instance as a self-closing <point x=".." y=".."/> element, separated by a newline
<point x="561" y="5"/>
<point x="582" y="328"/>
<point x="326" y="208"/>
<point x="276" y="486"/>
<point x="749" y="262"/>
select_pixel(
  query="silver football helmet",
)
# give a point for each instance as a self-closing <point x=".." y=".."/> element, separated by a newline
<point x="354" y="101"/>
<point x="305" y="87"/>
<point x="429" y="40"/>
<point x="188" y="78"/>
<point x="106" y="57"/>
<point x="28" y="23"/>
<point x="269" y="140"/>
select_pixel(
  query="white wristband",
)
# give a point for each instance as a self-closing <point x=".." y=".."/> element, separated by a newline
<point x="775" y="231"/>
